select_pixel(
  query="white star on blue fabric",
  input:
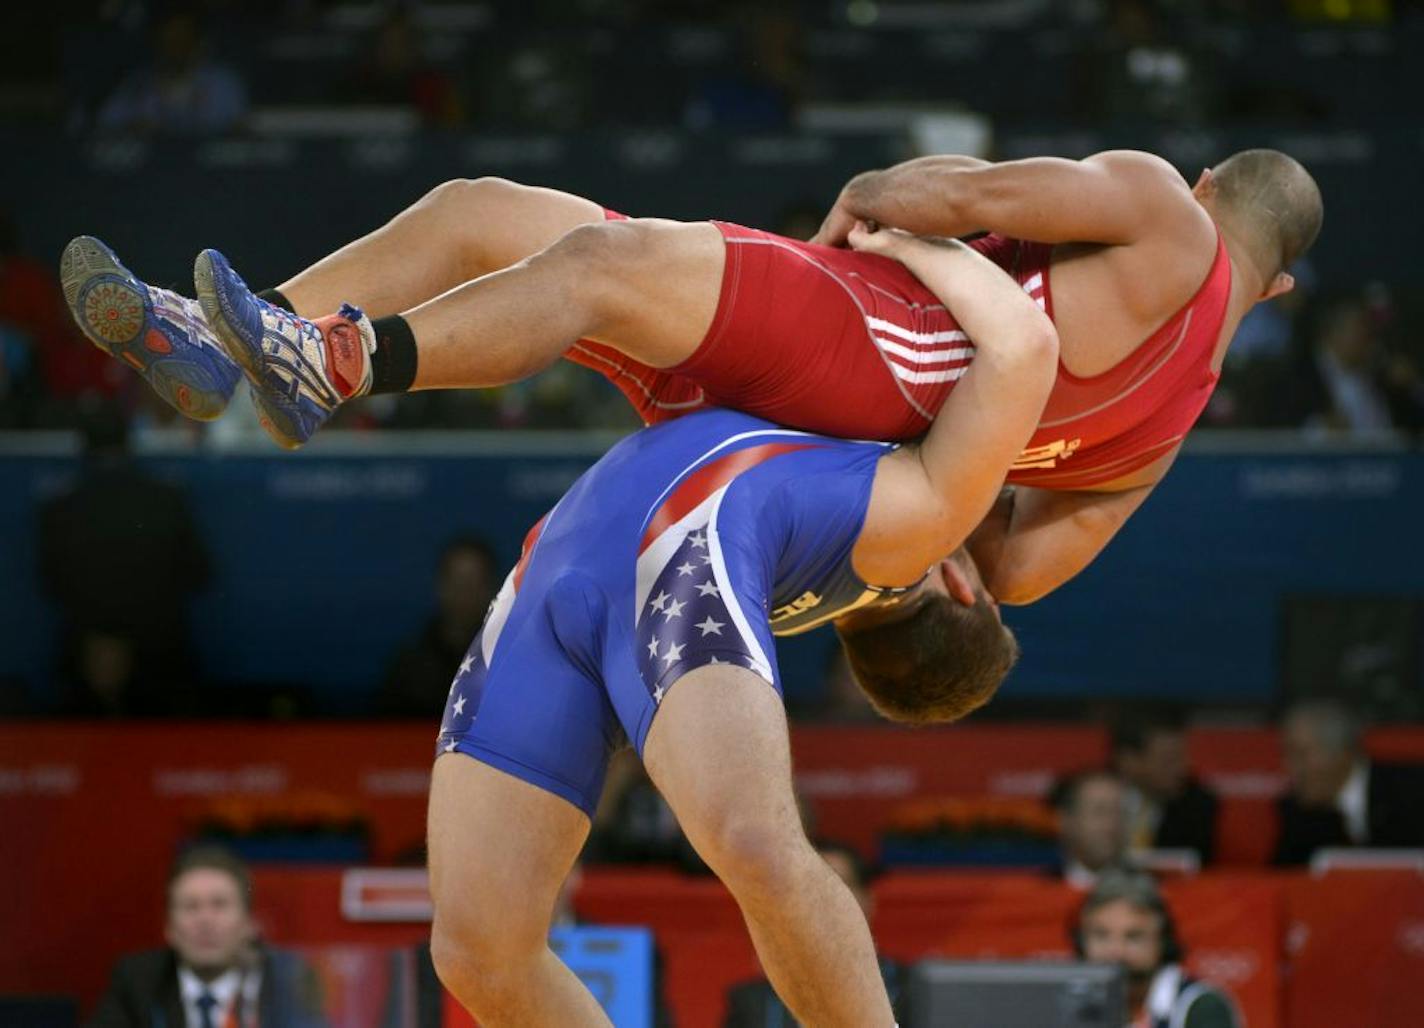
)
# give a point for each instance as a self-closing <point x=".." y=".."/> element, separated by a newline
<point x="658" y="694"/>
<point x="466" y="664"/>
<point x="706" y="560"/>
<point x="710" y="627"/>
<point x="450" y="746"/>
<point x="674" y="609"/>
<point x="459" y="705"/>
<point x="673" y="654"/>
<point x="659" y="600"/>
<point x="653" y="647"/>
<point x="709" y="588"/>
<point x="686" y="569"/>
<point x="697" y="539"/>
<point x="714" y="660"/>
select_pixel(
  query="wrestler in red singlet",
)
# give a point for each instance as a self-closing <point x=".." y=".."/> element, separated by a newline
<point x="852" y="344"/>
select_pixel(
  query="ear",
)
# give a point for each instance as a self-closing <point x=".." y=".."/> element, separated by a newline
<point x="957" y="583"/>
<point x="1205" y="184"/>
<point x="1283" y="283"/>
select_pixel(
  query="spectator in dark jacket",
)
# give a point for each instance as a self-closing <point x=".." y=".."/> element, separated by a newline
<point x="1092" y="826"/>
<point x="121" y="556"/>
<point x="1339" y="796"/>
<point x="1166" y="807"/>
<point x="214" y="972"/>
<point x="419" y="678"/>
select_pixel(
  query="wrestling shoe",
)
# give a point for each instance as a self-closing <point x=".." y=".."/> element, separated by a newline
<point x="300" y="370"/>
<point x="161" y="335"/>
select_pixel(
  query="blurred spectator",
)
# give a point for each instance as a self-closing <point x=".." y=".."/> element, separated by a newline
<point x="1125" y="921"/>
<point x="121" y="556"/>
<point x="1092" y="826"/>
<point x="763" y="89"/>
<point x="215" y="971"/>
<point x="1349" y="383"/>
<point x="1141" y="69"/>
<point x="754" y="1004"/>
<point x="1166" y="807"/>
<point x="1338" y="796"/>
<point x="41" y="352"/>
<point x="419" y="678"/>
<point x="183" y="92"/>
<point x="395" y="71"/>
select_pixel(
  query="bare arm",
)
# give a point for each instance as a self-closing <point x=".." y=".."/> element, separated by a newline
<point x="1034" y="540"/>
<point x="1111" y="197"/>
<point x="928" y="498"/>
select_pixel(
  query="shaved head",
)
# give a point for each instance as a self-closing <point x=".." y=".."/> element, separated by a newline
<point x="1272" y="197"/>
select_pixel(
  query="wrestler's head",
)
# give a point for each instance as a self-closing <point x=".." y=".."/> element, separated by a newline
<point x="1268" y="201"/>
<point x="937" y="655"/>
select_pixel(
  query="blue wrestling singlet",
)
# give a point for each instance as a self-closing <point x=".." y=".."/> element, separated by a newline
<point x="689" y="543"/>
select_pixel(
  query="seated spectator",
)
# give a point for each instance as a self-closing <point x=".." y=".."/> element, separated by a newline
<point x="1166" y="807"/>
<point x="121" y="556"/>
<point x="1338" y="796"/>
<point x="215" y="972"/>
<point x="753" y="1004"/>
<point x="395" y="71"/>
<point x="1092" y="826"/>
<point x="183" y="92"/>
<point x="1125" y="921"/>
<point x="419" y="678"/>
<point x="1351" y="383"/>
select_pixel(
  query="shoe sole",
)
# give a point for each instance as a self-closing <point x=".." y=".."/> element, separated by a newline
<point x="113" y="310"/>
<point x="215" y="310"/>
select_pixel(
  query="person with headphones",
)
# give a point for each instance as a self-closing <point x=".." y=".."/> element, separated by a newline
<point x="1125" y="921"/>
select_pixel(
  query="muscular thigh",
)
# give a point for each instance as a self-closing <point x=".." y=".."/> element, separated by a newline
<point x="719" y="752"/>
<point x="661" y="283"/>
<point x="500" y="848"/>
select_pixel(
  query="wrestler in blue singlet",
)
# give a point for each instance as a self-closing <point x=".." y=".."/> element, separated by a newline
<point x="689" y="543"/>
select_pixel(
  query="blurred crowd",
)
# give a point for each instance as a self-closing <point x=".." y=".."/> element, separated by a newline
<point x="1325" y="358"/>
<point x="1121" y="830"/>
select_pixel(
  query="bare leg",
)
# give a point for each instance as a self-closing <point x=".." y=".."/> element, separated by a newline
<point x="499" y="851"/>
<point x="649" y="287"/>
<point x="719" y="753"/>
<point x="458" y="231"/>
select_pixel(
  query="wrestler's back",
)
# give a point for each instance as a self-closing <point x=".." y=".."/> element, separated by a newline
<point x="1108" y="299"/>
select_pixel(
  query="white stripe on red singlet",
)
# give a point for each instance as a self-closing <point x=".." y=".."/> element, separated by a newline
<point x="910" y="398"/>
<point x="953" y="353"/>
<point x="890" y="328"/>
<point x="920" y="377"/>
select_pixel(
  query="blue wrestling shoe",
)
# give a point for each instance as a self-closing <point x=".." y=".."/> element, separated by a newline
<point x="300" y="370"/>
<point x="161" y="335"/>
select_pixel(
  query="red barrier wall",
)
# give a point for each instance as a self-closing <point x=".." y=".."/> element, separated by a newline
<point x="1355" y="939"/>
<point x="93" y="813"/>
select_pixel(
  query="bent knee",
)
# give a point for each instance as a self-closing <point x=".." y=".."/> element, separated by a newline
<point x="612" y="248"/>
<point x="460" y="197"/>
<point x="759" y="856"/>
<point x="475" y="954"/>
